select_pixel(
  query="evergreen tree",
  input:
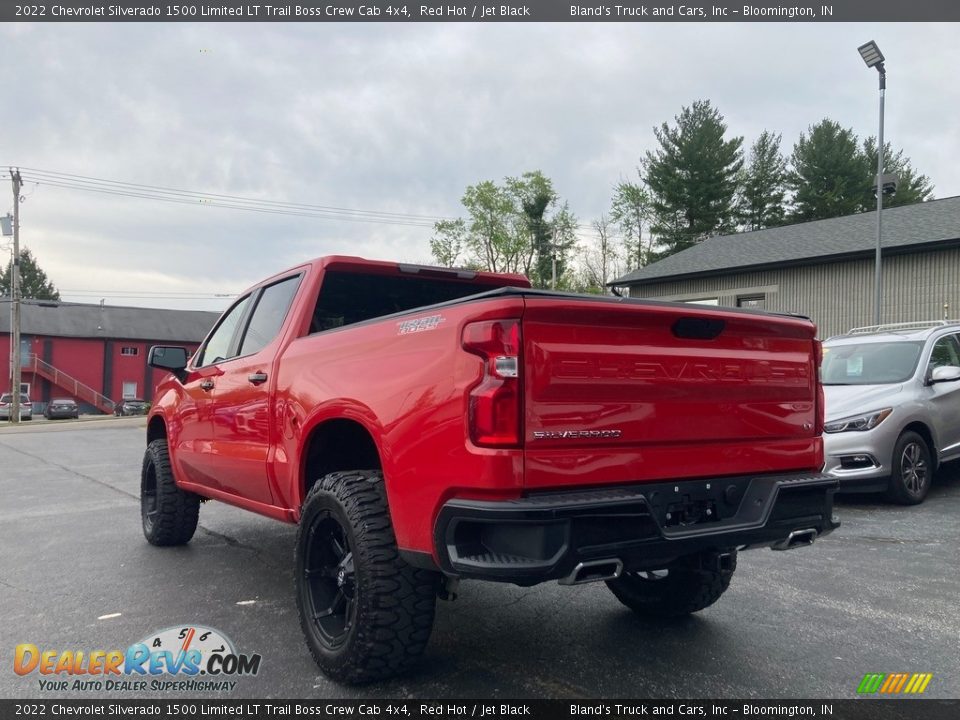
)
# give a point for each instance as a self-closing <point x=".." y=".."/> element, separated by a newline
<point x="34" y="284"/>
<point x="829" y="174"/>
<point x="912" y="187"/>
<point x="763" y="184"/>
<point x="693" y="177"/>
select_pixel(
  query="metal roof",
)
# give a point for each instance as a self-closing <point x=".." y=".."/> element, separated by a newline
<point x="905" y="228"/>
<point x="60" y="319"/>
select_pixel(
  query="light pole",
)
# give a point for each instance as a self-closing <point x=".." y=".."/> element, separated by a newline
<point x="874" y="58"/>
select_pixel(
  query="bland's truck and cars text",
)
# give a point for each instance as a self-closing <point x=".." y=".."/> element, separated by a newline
<point x="423" y="425"/>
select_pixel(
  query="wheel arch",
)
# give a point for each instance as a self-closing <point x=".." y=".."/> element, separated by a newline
<point x="156" y="429"/>
<point x="336" y="444"/>
<point x="924" y="431"/>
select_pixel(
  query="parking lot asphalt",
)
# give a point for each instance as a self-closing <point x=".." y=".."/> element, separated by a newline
<point x="881" y="594"/>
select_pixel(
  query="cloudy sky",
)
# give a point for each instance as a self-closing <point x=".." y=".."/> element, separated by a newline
<point x="399" y="118"/>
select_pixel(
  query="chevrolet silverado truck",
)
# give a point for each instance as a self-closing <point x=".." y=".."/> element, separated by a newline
<point x="424" y="425"/>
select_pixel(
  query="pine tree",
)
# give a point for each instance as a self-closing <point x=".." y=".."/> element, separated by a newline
<point x="912" y="187"/>
<point x="34" y="284"/>
<point x="693" y="177"/>
<point x="829" y="174"/>
<point x="763" y="184"/>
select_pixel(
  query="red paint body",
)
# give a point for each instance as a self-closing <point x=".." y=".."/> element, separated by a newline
<point x="745" y="402"/>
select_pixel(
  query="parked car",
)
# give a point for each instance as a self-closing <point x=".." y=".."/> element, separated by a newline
<point x="893" y="407"/>
<point x="423" y="425"/>
<point x="62" y="408"/>
<point x="26" y="407"/>
<point x="131" y="407"/>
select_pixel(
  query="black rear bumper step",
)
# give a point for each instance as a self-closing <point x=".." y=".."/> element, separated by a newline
<point x="544" y="536"/>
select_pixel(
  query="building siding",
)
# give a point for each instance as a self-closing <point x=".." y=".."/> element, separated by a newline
<point x="836" y="295"/>
<point x="96" y="362"/>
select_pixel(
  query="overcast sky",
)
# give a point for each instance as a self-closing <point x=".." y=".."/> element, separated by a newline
<point x="400" y="118"/>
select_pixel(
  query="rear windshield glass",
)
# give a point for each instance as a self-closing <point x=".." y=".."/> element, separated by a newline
<point x="880" y="363"/>
<point x="348" y="297"/>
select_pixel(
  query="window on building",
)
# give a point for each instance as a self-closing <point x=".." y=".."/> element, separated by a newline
<point x="129" y="390"/>
<point x="268" y="315"/>
<point x="757" y="302"/>
<point x="129" y="351"/>
<point x="703" y="301"/>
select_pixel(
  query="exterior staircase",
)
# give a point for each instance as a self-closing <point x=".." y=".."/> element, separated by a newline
<point x="80" y="391"/>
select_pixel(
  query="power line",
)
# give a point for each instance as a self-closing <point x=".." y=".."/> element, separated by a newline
<point x="231" y="206"/>
<point x="151" y="192"/>
<point x="177" y="191"/>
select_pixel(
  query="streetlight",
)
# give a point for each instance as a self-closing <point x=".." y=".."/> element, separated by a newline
<point x="874" y="58"/>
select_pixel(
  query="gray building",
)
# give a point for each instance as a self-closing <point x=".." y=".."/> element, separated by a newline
<point x="823" y="269"/>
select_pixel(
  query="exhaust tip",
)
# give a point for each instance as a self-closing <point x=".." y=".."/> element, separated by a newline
<point x="798" y="538"/>
<point x="594" y="571"/>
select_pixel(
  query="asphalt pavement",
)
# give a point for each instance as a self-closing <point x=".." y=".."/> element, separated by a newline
<point x="881" y="594"/>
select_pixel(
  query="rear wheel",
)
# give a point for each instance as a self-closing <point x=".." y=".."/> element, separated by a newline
<point x="169" y="514"/>
<point x="912" y="470"/>
<point x="685" y="586"/>
<point x="365" y="613"/>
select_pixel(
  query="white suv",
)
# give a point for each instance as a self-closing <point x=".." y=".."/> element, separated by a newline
<point x="892" y="406"/>
<point x="26" y="407"/>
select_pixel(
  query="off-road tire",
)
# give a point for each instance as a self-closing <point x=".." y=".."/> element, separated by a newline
<point x="906" y="488"/>
<point x="392" y="603"/>
<point x="686" y="588"/>
<point x="169" y="515"/>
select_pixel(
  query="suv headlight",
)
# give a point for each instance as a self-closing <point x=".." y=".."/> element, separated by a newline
<point x="866" y="421"/>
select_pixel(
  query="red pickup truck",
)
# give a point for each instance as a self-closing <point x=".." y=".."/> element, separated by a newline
<point x="423" y="425"/>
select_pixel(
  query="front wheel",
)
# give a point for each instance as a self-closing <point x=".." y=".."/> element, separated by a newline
<point x="685" y="586"/>
<point x="169" y="514"/>
<point x="912" y="470"/>
<point x="365" y="613"/>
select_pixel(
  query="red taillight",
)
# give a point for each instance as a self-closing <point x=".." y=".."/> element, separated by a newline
<point x="818" y="361"/>
<point x="494" y="403"/>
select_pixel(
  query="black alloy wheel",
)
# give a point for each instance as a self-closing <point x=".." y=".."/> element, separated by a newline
<point x="329" y="580"/>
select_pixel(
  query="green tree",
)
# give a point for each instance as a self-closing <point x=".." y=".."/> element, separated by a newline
<point x="492" y="235"/>
<point x="449" y="241"/>
<point x="829" y="174"/>
<point x="534" y="195"/>
<point x="912" y="187"/>
<point x="763" y="184"/>
<point x="693" y="177"/>
<point x="563" y="234"/>
<point x="34" y="283"/>
<point x="630" y="211"/>
<point x="516" y="227"/>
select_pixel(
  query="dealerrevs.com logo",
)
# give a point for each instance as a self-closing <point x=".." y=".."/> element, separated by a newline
<point x="190" y="658"/>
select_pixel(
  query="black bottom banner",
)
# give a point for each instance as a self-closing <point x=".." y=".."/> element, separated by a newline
<point x="862" y="709"/>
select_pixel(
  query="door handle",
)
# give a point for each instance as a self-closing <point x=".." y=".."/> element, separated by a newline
<point x="206" y="385"/>
<point x="258" y="378"/>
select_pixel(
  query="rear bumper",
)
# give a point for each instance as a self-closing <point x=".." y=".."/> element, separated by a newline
<point x="546" y="536"/>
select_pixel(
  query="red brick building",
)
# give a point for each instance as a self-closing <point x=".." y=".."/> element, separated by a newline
<point x="95" y="354"/>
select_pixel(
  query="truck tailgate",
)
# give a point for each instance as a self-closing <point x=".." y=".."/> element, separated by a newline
<point x="621" y="392"/>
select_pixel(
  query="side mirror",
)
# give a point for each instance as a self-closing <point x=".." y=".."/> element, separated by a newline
<point x="174" y="359"/>
<point x="945" y="373"/>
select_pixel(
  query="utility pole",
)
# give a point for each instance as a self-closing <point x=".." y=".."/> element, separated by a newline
<point x="15" y="369"/>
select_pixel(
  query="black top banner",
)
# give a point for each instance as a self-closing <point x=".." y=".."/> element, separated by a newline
<point x="488" y="11"/>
